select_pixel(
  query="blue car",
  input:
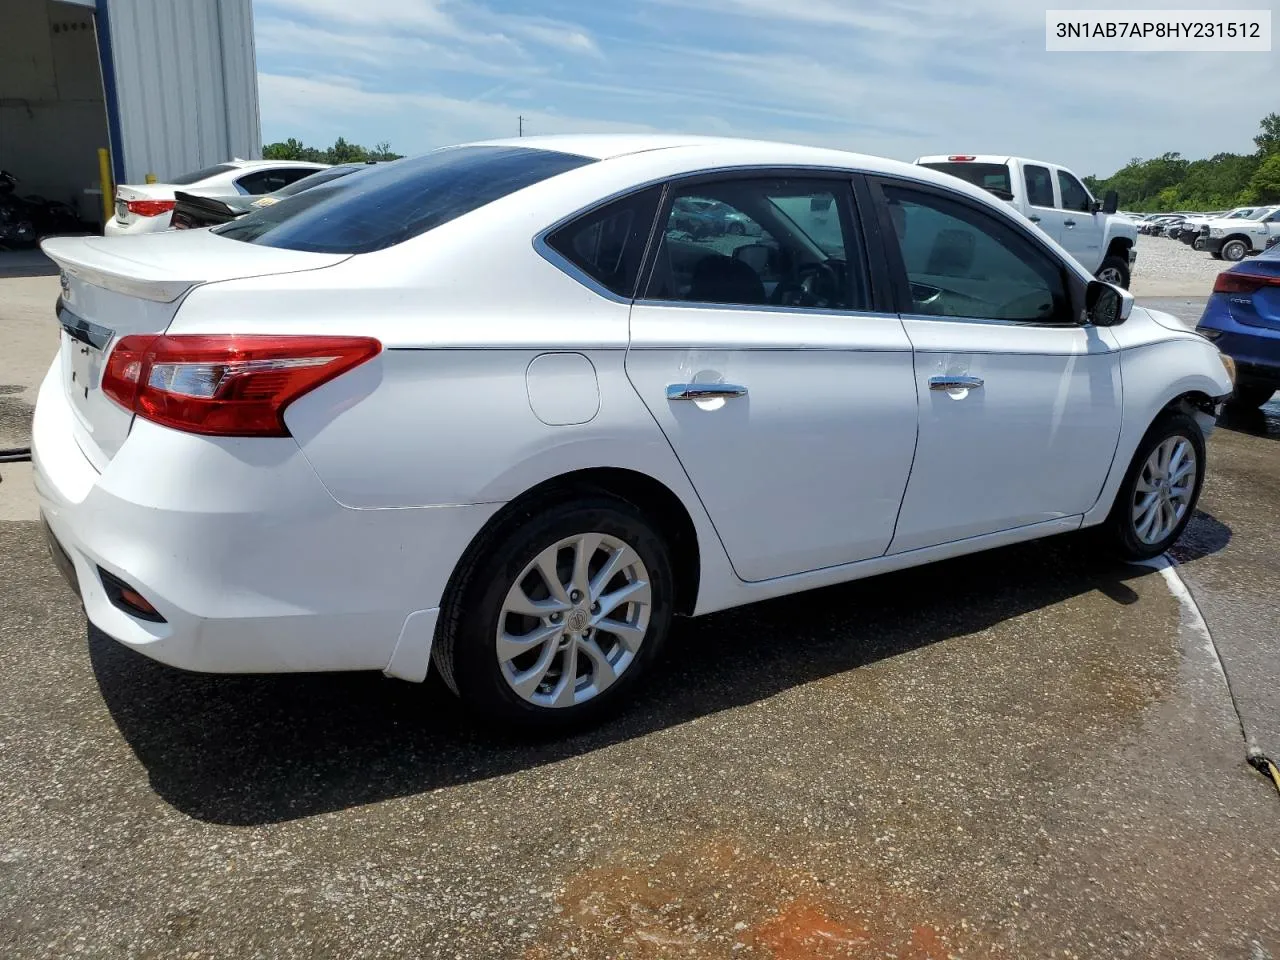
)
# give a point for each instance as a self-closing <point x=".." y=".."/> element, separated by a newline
<point x="1243" y="319"/>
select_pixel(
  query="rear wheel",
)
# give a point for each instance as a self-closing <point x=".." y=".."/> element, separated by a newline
<point x="1160" y="490"/>
<point x="1251" y="395"/>
<point x="558" y="614"/>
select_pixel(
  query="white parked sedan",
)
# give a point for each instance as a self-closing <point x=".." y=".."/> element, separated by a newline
<point x="147" y="207"/>
<point x="490" y="408"/>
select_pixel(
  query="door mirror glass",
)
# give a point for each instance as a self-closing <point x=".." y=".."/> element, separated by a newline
<point x="1111" y="202"/>
<point x="1106" y="305"/>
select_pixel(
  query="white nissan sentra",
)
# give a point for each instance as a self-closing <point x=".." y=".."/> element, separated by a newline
<point x="498" y="409"/>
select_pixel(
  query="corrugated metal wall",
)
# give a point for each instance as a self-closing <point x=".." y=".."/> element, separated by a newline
<point x="186" y="84"/>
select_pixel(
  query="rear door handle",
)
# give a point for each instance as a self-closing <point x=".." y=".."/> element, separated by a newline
<point x="1068" y="223"/>
<point x="954" y="383"/>
<point x="704" y="391"/>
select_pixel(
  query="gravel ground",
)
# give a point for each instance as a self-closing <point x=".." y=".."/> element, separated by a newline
<point x="1170" y="268"/>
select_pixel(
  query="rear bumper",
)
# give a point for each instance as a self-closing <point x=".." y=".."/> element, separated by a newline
<point x="115" y="228"/>
<point x="253" y="567"/>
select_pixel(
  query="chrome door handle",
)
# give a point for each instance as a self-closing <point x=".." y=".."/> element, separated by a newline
<point x="704" y="391"/>
<point x="954" y="383"/>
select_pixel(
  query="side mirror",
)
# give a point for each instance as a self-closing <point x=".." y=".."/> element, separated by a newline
<point x="1106" y="305"/>
<point x="1111" y="202"/>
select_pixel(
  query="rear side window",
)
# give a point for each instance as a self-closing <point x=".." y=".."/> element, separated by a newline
<point x="189" y="178"/>
<point x="608" y="243"/>
<point x="390" y="204"/>
<point x="1039" y="185"/>
<point x="992" y="177"/>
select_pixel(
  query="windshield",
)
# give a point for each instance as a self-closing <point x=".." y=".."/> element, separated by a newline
<point x="992" y="177"/>
<point x="391" y="203"/>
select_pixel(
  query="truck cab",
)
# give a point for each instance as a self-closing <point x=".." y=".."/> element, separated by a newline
<point x="1056" y="201"/>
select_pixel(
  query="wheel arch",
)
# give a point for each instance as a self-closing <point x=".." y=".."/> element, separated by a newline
<point x="653" y="498"/>
<point x="1120" y="246"/>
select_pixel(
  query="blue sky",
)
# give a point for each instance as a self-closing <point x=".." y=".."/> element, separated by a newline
<point x="898" y="78"/>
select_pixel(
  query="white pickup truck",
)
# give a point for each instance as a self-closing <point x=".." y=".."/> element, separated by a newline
<point x="1054" y="199"/>
<point x="1234" y="238"/>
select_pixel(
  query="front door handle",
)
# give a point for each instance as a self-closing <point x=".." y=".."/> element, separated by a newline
<point x="704" y="391"/>
<point x="1034" y="219"/>
<point x="1068" y="223"/>
<point x="954" y="383"/>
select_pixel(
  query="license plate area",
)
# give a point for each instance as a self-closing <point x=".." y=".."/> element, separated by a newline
<point x="122" y="210"/>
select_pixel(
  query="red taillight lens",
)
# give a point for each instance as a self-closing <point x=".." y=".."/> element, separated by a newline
<point x="228" y="386"/>
<point x="1243" y="283"/>
<point x="149" y="208"/>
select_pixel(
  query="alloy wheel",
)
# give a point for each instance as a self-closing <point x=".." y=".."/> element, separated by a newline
<point x="574" y="620"/>
<point x="1164" y="489"/>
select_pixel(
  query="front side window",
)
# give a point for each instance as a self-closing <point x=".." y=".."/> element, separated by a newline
<point x="1074" y="195"/>
<point x="961" y="262"/>
<point x="780" y="241"/>
<point x="391" y="203"/>
<point x="608" y="243"/>
<point x="1039" y="185"/>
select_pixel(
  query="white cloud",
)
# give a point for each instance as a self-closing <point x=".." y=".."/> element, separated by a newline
<point x="895" y="77"/>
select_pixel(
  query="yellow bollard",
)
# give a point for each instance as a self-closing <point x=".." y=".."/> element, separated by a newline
<point x="152" y="178"/>
<point x="104" y="181"/>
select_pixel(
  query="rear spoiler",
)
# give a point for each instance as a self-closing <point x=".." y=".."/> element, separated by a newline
<point x="206" y="210"/>
<point x="81" y="257"/>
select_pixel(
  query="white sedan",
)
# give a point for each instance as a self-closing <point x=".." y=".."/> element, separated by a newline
<point x="147" y="207"/>
<point x="491" y="409"/>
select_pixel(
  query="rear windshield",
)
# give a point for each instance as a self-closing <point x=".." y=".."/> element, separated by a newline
<point x="992" y="177"/>
<point x="386" y="205"/>
<point x="205" y="174"/>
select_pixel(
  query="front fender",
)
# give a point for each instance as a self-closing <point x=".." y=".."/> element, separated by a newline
<point x="1148" y="390"/>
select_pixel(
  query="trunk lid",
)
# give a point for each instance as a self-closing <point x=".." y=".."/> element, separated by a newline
<point x="141" y="191"/>
<point x="127" y="285"/>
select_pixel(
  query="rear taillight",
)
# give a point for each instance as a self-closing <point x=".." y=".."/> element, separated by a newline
<point x="228" y="386"/>
<point x="149" y="208"/>
<point x="1243" y="282"/>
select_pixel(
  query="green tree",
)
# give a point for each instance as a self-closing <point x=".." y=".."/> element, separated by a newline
<point x="342" y="151"/>
<point x="1264" y="186"/>
<point x="1268" y="140"/>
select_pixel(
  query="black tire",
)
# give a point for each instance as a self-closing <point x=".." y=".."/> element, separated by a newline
<point x="1120" y="265"/>
<point x="1251" y="396"/>
<point x="1119" y="528"/>
<point x="1234" y="250"/>
<point x="1216" y="254"/>
<point x="465" y="651"/>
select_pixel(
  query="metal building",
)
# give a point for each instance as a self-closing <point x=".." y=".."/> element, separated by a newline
<point x="166" y="86"/>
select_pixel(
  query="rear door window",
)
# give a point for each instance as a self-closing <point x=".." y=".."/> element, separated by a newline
<point x="390" y="204"/>
<point x="608" y="243"/>
<point x="1039" y="185"/>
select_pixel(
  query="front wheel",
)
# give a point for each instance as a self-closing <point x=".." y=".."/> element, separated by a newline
<point x="1234" y="250"/>
<point x="557" y="615"/>
<point x="1114" y="270"/>
<point x="1160" y="490"/>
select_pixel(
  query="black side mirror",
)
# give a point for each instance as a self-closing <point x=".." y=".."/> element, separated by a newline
<point x="1106" y="305"/>
<point x="1111" y="202"/>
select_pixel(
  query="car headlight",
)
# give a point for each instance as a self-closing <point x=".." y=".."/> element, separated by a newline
<point x="1215" y="231"/>
<point x="1229" y="365"/>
